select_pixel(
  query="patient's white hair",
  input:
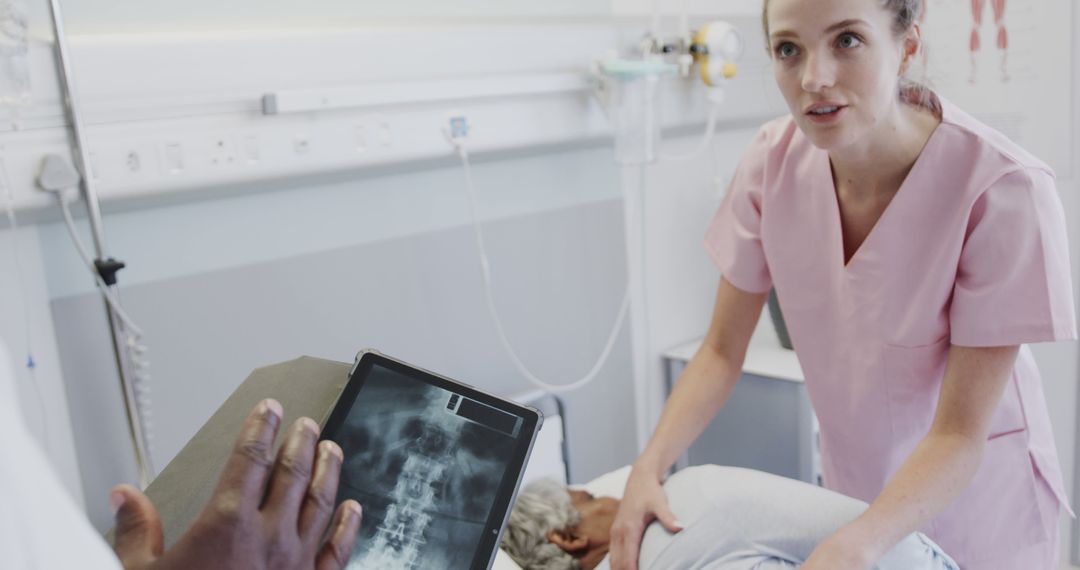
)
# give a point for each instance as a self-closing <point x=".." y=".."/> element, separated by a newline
<point x="543" y="506"/>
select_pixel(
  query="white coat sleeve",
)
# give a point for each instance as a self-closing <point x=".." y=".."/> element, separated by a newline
<point x="41" y="528"/>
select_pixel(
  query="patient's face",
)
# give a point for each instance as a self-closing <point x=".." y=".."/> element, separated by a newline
<point x="597" y="516"/>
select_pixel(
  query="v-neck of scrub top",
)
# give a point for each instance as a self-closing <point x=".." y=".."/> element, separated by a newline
<point x="830" y="184"/>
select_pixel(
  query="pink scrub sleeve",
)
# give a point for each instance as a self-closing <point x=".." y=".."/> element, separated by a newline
<point x="1013" y="284"/>
<point x="734" y="236"/>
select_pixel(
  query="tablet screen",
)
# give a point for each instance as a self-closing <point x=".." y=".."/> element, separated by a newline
<point x="431" y="464"/>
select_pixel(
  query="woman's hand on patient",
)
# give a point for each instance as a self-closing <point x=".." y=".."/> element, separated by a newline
<point x="266" y="513"/>
<point x="839" y="552"/>
<point x="643" y="502"/>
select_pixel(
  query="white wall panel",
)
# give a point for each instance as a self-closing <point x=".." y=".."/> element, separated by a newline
<point x="138" y="16"/>
<point x="185" y="109"/>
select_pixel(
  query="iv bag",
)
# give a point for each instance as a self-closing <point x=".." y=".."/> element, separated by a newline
<point x="14" y="54"/>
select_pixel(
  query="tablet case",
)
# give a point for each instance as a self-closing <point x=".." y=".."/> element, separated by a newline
<point x="305" y="386"/>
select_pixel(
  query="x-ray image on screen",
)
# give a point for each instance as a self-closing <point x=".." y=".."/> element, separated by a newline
<point x="426" y="465"/>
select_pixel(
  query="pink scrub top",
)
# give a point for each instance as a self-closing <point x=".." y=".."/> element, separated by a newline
<point x="971" y="251"/>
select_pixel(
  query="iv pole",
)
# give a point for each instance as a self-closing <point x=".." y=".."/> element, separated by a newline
<point x="106" y="267"/>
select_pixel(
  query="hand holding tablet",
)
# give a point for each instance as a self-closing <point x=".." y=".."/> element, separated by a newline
<point x="436" y="464"/>
<point x="266" y="512"/>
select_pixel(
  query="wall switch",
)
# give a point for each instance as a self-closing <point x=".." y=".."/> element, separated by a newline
<point x="251" y="149"/>
<point x="386" y="135"/>
<point x="174" y="158"/>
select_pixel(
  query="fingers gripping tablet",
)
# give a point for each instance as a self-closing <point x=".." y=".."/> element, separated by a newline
<point x="436" y="464"/>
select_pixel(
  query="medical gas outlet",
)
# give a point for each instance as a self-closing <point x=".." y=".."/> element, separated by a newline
<point x="714" y="48"/>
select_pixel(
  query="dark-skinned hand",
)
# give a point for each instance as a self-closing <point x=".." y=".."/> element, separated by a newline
<point x="265" y="513"/>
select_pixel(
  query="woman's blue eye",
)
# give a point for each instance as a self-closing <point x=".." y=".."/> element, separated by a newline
<point x="786" y="50"/>
<point x="848" y="41"/>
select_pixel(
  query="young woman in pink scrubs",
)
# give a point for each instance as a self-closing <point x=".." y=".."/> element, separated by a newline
<point x="914" y="252"/>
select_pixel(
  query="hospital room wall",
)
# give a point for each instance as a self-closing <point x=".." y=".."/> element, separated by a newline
<point x="191" y="290"/>
<point x="1058" y="361"/>
<point x="1063" y="394"/>
<point x="148" y="16"/>
<point x="142" y="16"/>
<point x="387" y="261"/>
<point x="180" y="283"/>
<point x="1059" y="364"/>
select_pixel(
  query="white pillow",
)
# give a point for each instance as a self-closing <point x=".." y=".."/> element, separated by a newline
<point x="504" y="562"/>
<point x="609" y="484"/>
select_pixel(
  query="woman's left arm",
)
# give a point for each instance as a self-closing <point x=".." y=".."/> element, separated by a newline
<point x="937" y="471"/>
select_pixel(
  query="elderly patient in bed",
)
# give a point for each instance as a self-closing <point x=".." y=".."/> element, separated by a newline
<point x="734" y="519"/>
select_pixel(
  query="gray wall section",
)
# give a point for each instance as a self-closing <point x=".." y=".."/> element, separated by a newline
<point x="559" y="277"/>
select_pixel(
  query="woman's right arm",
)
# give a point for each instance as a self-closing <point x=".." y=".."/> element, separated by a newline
<point x="702" y="389"/>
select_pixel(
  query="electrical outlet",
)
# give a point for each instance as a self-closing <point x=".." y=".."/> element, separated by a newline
<point x="130" y="162"/>
<point x="222" y="151"/>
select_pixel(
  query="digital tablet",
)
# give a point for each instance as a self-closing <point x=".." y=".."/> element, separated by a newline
<point x="435" y="463"/>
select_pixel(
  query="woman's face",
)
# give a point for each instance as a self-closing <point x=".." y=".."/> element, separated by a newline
<point x="838" y="64"/>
